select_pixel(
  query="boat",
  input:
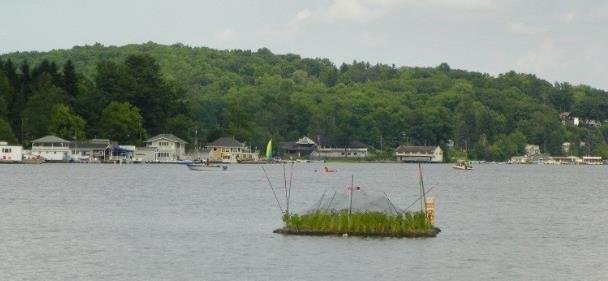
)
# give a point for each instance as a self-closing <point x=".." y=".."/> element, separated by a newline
<point x="32" y="159"/>
<point x="463" y="165"/>
<point x="205" y="167"/>
<point x="329" y="170"/>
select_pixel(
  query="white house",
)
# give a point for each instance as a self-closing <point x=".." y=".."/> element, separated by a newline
<point x="145" y="154"/>
<point x="10" y="153"/>
<point x="52" y="148"/>
<point x="168" y="148"/>
<point x="433" y="154"/>
<point x="532" y="150"/>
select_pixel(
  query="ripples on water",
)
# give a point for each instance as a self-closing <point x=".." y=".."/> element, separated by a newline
<point x="165" y="222"/>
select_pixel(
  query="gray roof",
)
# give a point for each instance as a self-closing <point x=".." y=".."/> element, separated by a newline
<point x="226" y="142"/>
<point x="89" y="145"/>
<point x="170" y="137"/>
<point x="50" y="139"/>
<point x="416" y="149"/>
<point x="357" y="144"/>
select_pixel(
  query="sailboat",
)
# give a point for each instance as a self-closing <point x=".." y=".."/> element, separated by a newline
<point x="269" y="150"/>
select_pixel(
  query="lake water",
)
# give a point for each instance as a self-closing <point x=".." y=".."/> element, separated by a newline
<point x="165" y="222"/>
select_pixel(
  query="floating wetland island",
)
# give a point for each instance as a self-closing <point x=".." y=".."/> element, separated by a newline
<point x="358" y="213"/>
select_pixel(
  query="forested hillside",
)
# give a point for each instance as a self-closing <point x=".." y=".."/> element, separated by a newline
<point x="128" y="93"/>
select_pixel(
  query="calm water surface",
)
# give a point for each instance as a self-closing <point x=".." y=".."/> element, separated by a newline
<point x="165" y="222"/>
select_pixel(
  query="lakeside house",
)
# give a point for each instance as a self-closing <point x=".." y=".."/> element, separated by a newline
<point x="230" y="150"/>
<point x="52" y="148"/>
<point x="410" y="153"/>
<point x="592" y="160"/>
<point x="355" y="149"/>
<point x="145" y="154"/>
<point x="163" y="148"/>
<point x="300" y="148"/>
<point x="10" y="153"/>
<point x="95" y="150"/>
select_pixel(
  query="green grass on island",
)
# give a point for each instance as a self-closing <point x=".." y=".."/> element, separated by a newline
<point x="410" y="224"/>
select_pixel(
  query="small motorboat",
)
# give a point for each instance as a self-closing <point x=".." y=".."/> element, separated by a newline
<point x="205" y="167"/>
<point x="328" y="170"/>
<point x="463" y="165"/>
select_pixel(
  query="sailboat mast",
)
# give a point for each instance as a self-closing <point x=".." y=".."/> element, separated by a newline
<point x="422" y="191"/>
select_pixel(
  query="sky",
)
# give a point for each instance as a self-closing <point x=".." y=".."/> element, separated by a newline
<point x="557" y="40"/>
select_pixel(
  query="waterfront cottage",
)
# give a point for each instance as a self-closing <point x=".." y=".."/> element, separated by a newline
<point x="52" y="148"/>
<point x="230" y="150"/>
<point x="10" y="153"/>
<point x="302" y="147"/>
<point x="405" y="153"/>
<point x="145" y="154"/>
<point x="95" y="150"/>
<point x="355" y="149"/>
<point x="167" y="148"/>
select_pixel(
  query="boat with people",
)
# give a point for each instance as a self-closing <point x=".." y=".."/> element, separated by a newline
<point x="326" y="170"/>
<point x="329" y="170"/>
<point x="463" y="165"/>
<point x="206" y="167"/>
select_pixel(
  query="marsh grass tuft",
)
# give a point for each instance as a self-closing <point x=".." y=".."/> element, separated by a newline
<point x="364" y="223"/>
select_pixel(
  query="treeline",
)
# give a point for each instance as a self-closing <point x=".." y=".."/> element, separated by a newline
<point x="131" y="92"/>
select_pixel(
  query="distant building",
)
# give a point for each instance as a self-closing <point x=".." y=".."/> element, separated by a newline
<point x="532" y="150"/>
<point x="10" y="153"/>
<point x="95" y="150"/>
<point x="52" y="148"/>
<point x="405" y="153"/>
<point x="355" y="149"/>
<point x="567" y="160"/>
<point x="567" y="118"/>
<point x="145" y="154"/>
<point x="230" y="150"/>
<point x="302" y="147"/>
<point x="123" y="153"/>
<point x="167" y="147"/>
<point x="592" y="160"/>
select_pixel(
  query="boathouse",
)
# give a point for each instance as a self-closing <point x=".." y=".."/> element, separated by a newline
<point x="95" y="150"/>
<point x="302" y="147"/>
<point x="410" y="153"/>
<point x="52" y="148"/>
<point x="10" y="153"/>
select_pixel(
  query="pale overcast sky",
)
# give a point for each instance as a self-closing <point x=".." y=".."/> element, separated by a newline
<point x="557" y="40"/>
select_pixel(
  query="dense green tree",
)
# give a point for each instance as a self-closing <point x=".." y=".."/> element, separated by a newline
<point x="200" y="94"/>
<point x="122" y="122"/>
<point x="36" y="116"/>
<point x="70" y="81"/>
<point x="6" y="133"/>
<point x="65" y="124"/>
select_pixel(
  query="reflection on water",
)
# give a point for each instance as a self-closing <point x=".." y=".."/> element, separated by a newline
<point x="165" y="222"/>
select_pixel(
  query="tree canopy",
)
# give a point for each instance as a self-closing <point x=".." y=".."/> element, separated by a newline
<point x="199" y="94"/>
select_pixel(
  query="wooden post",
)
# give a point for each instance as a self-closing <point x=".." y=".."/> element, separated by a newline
<point x="430" y="210"/>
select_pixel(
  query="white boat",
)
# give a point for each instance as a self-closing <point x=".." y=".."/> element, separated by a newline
<point x="463" y="165"/>
<point x="204" y="167"/>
